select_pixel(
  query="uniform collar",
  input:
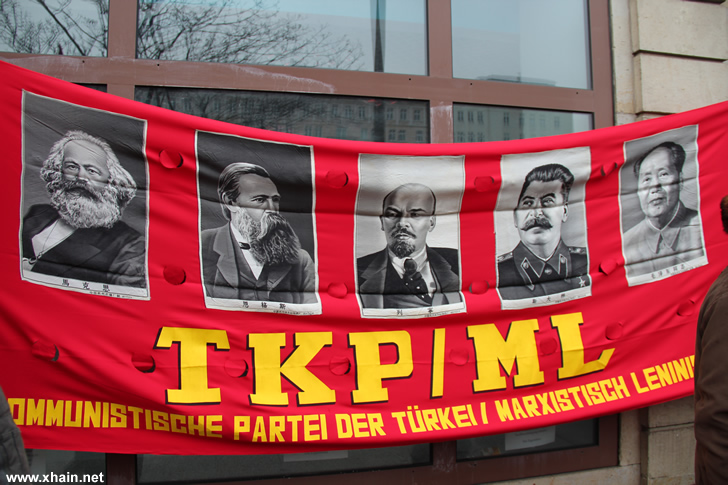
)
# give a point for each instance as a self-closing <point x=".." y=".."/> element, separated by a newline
<point x="668" y="235"/>
<point x="534" y="270"/>
<point x="526" y="260"/>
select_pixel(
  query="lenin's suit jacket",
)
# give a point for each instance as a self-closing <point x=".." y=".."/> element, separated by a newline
<point x="227" y="275"/>
<point x="379" y="283"/>
<point x="112" y="256"/>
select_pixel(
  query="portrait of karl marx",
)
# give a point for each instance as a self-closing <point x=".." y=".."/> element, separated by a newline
<point x="79" y="234"/>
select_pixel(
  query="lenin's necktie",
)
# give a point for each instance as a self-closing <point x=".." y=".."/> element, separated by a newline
<point x="414" y="282"/>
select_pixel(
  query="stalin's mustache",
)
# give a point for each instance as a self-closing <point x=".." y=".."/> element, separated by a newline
<point x="538" y="221"/>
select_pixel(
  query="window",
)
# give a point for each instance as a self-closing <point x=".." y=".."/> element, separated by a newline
<point x="68" y="27"/>
<point x="524" y="47"/>
<point x="580" y="433"/>
<point x="269" y="111"/>
<point x="403" y="115"/>
<point x="45" y="462"/>
<point x="416" y="114"/>
<point x="97" y="87"/>
<point x="312" y="130"/>
<point x="563" y="122"/>
<point x="174" y="469"/>
<point x="286" y="33"/>
<point x="598" y="441"/>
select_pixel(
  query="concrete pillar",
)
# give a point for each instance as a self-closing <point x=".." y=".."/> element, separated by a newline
<point x="679" y="50"/>
<point x="667" y="443"/>
<point x="669" y="56"/>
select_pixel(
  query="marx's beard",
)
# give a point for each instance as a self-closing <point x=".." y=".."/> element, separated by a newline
<point x="402" y="243"/>
<point x="82" y="205"/>
<point x="272" y="240"/>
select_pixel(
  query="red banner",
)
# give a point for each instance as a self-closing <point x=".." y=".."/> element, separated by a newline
<point x="173" y="284"/>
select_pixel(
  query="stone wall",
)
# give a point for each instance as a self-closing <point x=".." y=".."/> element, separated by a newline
<point x="669" y="56"/>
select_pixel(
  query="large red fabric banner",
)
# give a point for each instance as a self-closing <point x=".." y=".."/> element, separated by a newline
<point x="173" y="284"/>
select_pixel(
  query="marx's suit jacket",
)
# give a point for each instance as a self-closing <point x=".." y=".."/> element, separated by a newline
<point x="227" y="275"/>
<point x="114" y="255"/>
<point x="381" y="287"/>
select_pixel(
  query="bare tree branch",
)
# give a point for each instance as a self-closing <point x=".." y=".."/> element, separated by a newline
<point x="60" y="24"/>
<point x="230" y="31"/>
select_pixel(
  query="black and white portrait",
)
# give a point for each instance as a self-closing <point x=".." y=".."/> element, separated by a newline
<point x="257" y="238"/>
<point x="540" y="224"/>
<point x="84" y="207"/>
<point x="662" y="233"/>
<point x="407" y="235"/>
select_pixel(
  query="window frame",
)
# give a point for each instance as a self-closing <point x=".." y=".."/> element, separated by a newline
<point x="121" y="72"/>
<point x="444" y="468"/>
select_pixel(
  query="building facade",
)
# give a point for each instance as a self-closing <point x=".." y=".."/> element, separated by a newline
<point x="402" y="71"/>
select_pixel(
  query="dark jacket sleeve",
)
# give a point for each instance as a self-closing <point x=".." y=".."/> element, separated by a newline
<point x="12" y="451"/>
<point x="711" y="386"/>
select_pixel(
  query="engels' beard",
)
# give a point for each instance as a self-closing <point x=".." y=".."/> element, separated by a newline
<point x="272" y="240"/>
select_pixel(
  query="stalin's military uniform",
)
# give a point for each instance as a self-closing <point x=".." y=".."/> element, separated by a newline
<point x="521" y="274"/>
